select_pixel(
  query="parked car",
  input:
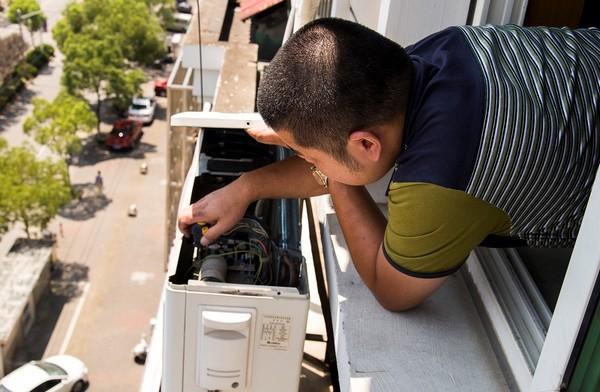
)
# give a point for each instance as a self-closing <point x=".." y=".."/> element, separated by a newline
<point x="54" y="374"/>
<point x="124" y="135"/>
<point x="183" y="6"/>
<point x="142" y="109"/>
<point x="180" y="22"/>
<point x="160" y="63"/>
<point x="160" y="87"/>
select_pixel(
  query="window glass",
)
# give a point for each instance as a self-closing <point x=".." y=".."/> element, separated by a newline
<point x="46" y="386"/>
<point x="50" y="368"/>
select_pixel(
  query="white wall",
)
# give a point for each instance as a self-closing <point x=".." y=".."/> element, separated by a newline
<point x="212" y="61"/>
<point x="407" y="21"/>
<point x="367" y="12"/>
<point x="404" y="21"/>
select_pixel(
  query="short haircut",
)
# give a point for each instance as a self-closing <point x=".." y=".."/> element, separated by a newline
<point x="331" y="78"/>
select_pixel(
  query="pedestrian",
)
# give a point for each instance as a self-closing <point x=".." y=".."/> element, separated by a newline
<point x="492" y="133"/>
<point x="99" y="183"/>
<point x="60" y="230"/>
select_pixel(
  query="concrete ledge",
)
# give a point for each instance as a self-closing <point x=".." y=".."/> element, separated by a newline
<point x="236" y="86"/>
<point x="440" y="346"/>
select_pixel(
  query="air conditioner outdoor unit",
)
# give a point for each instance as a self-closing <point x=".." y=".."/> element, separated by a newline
<point x="235" y="312"/>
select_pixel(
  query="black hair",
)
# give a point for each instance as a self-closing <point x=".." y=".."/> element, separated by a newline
<point x="331" y="78"/>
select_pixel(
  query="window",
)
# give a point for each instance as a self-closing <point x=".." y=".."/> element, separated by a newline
<point x="46" y="386"/>
<point x="50" y="368"/>
<point x="536" y="312"/>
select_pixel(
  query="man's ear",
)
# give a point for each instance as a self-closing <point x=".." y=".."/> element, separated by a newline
<point x="364" y="146"/>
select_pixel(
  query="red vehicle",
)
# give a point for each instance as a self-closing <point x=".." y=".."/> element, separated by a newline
<point x="124" y="135"/>
<point x="160" y="87"/>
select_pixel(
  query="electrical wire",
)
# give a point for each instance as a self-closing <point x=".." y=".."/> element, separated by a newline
<point x="200" y="55"/>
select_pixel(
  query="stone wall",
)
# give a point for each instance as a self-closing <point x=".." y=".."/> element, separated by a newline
<point x="12" y="48"/>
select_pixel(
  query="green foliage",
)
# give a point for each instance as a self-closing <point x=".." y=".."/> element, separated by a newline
<point x="40" y="55"/>
<point x="88" y="62"/>
<point x="46" y="49"/>
<point x="11" y="86"/>
<point x="27" y="68"/>
<point x="3" y="190"/>
<point x="56" y="124"/>
<point x="123" y="86"/>
<point x="131" y="24"/>
<point x="101" y="39"/>
<point x="31" y="190"/>
<point x="18" y="8"/>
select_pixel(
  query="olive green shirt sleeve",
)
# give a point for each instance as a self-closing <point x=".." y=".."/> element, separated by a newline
<point x="432" y="229"/>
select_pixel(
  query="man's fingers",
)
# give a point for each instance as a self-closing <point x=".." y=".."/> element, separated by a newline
<point x="183" y="227"/>
<point x="185" y="219"/>
<point x="213" y="233"/>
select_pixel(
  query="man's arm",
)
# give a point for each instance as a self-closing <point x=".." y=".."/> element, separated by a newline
<point x="363" y="226"/>
<point x="290" y="178"/>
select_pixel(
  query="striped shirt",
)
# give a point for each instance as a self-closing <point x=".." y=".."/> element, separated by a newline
<point x="540" y="148"/>
<point x="502" y="120"/>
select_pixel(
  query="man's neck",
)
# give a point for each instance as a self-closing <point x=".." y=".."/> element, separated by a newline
<point x="392" y="136"/>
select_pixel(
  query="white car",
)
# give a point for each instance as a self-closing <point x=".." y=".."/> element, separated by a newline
<point x="142" y="109"/>
<point x="60" y="373"/>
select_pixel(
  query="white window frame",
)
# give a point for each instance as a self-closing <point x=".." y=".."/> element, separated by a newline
<point x="573" y="300"/>
<point x="570" y="310"/>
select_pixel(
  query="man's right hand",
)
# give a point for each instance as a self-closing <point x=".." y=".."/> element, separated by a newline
<point x="221" y="209"/>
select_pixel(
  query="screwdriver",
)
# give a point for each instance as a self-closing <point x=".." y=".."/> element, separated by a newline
<point x="198" y="230"/>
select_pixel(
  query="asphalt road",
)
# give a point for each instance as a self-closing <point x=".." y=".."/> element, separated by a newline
<point x="119" y="259"/>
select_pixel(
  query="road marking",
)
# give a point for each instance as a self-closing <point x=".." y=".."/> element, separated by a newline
<point x="74" y="319"/>
<point x="140" y="277"/>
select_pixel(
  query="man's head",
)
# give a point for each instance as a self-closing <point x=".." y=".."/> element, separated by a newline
<point x="333" y="78"/>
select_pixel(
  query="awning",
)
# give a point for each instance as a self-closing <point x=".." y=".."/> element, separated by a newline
<point x="250" y="8"/>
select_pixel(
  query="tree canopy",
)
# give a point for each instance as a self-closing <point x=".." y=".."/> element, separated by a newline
<point x="56" y="124"/>
<point x="102" y="40"/>
<point x="18" y="8"/>
<point x="131" y="25"/>
<point x="88" y="64"/>
<point x="31" y="190"/>
<point x="3" y="190"/>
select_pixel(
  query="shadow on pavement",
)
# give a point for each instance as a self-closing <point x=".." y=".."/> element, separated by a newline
<point x="13" y="111"/>
<point x="47" y="70"/>
<point x="86" y="205"/>
<point x="93" y="152"/>
<point x="67" y="279"/>
<point x="160" y="113"/>
<point x="66" y="284"/>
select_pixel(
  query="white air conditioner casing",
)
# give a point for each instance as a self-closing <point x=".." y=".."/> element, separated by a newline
<point x="261" y="344"/>
<point x="225" y="336"/>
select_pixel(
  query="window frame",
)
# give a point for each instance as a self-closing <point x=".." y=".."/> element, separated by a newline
<point x="568" y="317"/>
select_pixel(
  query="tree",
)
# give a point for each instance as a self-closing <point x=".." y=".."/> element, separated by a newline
<point x="19" y="8"/>
<point x="123" y="86"/>
<point x="32" y="191"/>
<point x="88" y="64"/>
<point x="131" y="24"/>
<point x="102" y="40"/>
<point x="3" y="193"/>
<point x="56" y="124"/>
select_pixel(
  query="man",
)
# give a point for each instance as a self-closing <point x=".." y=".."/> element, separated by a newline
<point x="99" y="183"/>
<point x="493" y="133"/>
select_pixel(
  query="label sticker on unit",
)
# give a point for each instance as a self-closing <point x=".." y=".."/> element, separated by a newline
<point x="275" y="332"/>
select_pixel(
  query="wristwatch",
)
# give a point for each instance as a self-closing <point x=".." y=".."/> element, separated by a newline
<point x="319" y="177"/>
